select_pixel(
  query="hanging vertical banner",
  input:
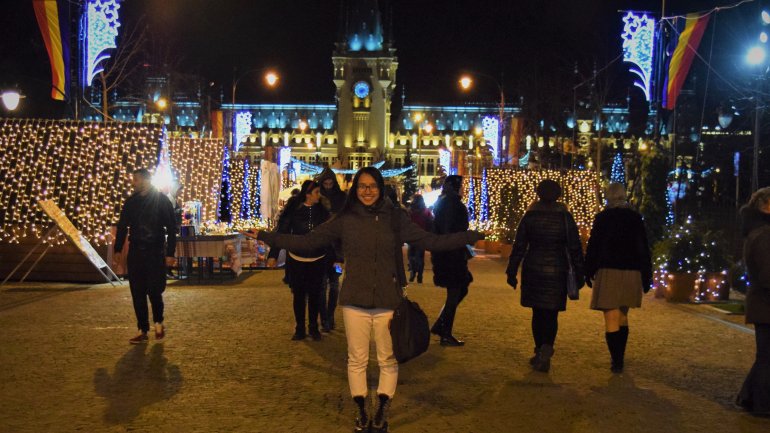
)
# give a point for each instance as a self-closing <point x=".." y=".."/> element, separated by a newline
<point x="51" y="17"/>
<point x="686" y="41"/>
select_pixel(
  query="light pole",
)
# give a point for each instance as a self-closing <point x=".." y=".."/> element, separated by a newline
<point x="466" y="82"/>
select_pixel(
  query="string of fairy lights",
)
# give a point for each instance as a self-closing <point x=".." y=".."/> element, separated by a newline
<point x="244" y="188"/>
<point x="198" y="163"/>
<point x="82" y="167"/>
<point x="509" y="192"/>
<point x="85" y="167"/>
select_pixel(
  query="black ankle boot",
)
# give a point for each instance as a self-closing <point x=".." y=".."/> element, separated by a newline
<point x="534" y="359"/>
<point x="362" y="423"/>
<point x="380" y="421"/>
<point x="450" y="340"/>
<point x="543" y="361"/>
<point x="411" y="277"/>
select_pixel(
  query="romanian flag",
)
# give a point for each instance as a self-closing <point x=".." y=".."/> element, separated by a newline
<point x="53" y="22"/>
<point x="686" y="41"/>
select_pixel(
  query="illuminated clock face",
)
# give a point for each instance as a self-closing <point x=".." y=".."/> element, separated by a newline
<point x="361" y="89"/>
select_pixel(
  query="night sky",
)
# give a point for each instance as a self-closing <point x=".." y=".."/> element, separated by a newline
<point x="527" y="43"/>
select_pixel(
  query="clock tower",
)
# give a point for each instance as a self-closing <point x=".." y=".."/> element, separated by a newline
<point x="365" y="76"/>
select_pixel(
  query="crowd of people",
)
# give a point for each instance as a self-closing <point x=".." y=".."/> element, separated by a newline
<point x="331" y="236"/>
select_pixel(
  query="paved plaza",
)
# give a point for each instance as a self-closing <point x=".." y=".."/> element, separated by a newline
<point x="227" y="365"/>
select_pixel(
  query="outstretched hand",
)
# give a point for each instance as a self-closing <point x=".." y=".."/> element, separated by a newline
<point x="589" y="282"/>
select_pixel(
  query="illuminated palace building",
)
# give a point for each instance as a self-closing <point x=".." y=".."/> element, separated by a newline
<point x="358" y="130"/>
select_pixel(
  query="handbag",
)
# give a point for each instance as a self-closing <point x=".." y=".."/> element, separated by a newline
<point x="409" y="329"/>
<point x="573" y="291"/>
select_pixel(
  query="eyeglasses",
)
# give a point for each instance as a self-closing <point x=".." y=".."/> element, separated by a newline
<point x="372" y="187"/>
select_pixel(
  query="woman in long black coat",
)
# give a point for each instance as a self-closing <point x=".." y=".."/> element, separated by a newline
<point x="755" y="393"/>
<point x="546" y="234"/>
<point x="619" y="263"/>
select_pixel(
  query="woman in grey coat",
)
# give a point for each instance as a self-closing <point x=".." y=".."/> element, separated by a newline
<point x="370" y="290"/>
<point x="755" y="393"/>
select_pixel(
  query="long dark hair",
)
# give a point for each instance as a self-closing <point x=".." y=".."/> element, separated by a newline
<point x="307" y="187"/>
<point x="352" y="198"/>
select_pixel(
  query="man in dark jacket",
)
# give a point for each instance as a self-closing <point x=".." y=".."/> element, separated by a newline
<point x="150" y="216"/>
<point x="450" y="268"/>
<point x="334" y="199"/>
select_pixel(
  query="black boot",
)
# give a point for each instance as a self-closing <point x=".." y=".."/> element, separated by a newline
<point x="419" y="278"/>
<point x="614" y="341"/>
<point x="623" y="341"/>
<point x="380" y="421"/>
<point x="543" y="361"/>
<point x="447" y="339"/>
<point x="362" y="423"/>
<point x="411" y="276"/>
<point x="533" y="360"/>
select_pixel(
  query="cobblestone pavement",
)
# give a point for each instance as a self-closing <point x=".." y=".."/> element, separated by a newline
<point x="227" y="365"/>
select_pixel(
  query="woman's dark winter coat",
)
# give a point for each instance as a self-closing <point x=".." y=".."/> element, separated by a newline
<point x="335" y="196"/>
<point x="299" y="219"/>
<point x="368" y="244"/>
<point x="451" y="216"/>
<point x="619" y="241"/>
<point x="756" y="254"/>
<point x="543" y="233"/>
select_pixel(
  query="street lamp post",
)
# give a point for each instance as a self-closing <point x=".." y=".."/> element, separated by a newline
<point x="11" y="99"/>
<point x="466" y="82"/>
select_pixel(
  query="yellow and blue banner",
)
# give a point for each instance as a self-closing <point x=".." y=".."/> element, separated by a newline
<point x="54" y="26"/>
<point x="685" y="41"/>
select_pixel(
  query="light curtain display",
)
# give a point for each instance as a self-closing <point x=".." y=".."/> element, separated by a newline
<point x="198" y="164"/>
<point x="82" y="167"/>
<point x="510" y="192"/>
<point x="85" y="169"/>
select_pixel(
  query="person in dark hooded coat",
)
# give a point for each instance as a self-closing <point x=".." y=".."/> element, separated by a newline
<point x="334" y="199"/>
<point x="545" y="234"/>
<point x="755" y="218"/>
<point x="450" y="268"/>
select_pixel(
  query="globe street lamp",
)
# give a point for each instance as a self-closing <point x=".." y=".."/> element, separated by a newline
<point x="466" y="82"/>
<point x="271" y="79"/>
<point x="11" y="99"/>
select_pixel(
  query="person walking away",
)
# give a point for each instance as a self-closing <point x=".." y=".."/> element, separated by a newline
<point x="370" y="291"/>
<point x="450" y="268"/>
<point x="304" y="271"/>
<point x="333" y="198"/>
<point x="149" y="216"/>
<point x="618" y="266"/>
<point x="422" y="216"/>
<point x="546" y="234"/>
<point x="755" y="392"/>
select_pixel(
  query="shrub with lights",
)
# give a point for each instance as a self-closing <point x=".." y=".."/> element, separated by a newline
<point x="690" y="249"/>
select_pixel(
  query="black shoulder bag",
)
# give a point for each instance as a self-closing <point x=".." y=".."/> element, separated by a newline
<point x="409" y="328"/>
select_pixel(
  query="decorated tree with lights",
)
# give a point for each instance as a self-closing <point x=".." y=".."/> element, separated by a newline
<point x="618" y="173"/>
<point x="654" y="205"/>
<point x="410" y="177"/>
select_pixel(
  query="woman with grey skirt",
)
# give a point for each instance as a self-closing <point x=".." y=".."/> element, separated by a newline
<point x="619" y="268"/>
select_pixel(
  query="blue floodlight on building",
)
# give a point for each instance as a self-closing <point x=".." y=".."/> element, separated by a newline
<point x="638" y="42"/>
<point x="99" y="29"/>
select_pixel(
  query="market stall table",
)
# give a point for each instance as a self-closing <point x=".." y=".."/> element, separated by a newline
<point x="227" y="248"/>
